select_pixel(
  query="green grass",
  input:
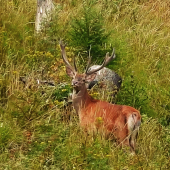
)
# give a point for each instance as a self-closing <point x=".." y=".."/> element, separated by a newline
<point x="40" y="131"/>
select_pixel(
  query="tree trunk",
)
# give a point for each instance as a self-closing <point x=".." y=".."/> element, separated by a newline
<point x="44" y="11"/>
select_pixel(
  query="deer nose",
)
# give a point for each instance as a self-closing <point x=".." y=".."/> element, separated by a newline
<point x="74" y="83"/>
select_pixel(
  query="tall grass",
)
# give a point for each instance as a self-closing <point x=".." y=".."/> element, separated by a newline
<point x="38" y="127"/>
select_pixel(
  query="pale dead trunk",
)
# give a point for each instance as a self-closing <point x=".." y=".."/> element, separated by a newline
<point x="44" y="11"/>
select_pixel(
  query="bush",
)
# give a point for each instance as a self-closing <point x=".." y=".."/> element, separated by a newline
<point x="135" y="95"/>
<point x="87" y="32"/>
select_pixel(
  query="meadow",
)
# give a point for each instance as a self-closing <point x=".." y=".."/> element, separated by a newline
<point x="38" y="128"/>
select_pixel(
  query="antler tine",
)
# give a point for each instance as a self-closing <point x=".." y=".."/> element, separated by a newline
<point x="89" y="61"/>
<point x="108" y="59"/>
<point x="63" y="53"/>
<point x="75" y="67"/>
<point x="105" y="62"/>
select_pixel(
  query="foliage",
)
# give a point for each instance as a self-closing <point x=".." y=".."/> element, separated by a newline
<point x="5" y="135"/>
<point x="134" y="96"/>
<point x="27" y="106"/>
<point x="88" y="32"/>
<point x="61" y="92"/>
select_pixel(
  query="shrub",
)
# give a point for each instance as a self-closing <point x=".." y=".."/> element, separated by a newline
<point x="87" y="30"/>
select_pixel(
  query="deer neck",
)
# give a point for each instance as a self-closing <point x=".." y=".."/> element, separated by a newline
<point x="80" y="99"/>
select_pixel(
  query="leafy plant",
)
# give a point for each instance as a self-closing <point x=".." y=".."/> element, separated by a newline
<point x="61" y="92"/>
<point x="5" y="134"/>
<point x="134" y="95"/>
<point x="28" y="106"/>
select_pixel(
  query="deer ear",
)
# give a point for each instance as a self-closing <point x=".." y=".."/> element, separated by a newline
<point x="90" y="77"/>
<point x="69" y="72"/>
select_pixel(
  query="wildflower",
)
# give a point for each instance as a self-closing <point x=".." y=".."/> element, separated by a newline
<point x="64" y="90"/>
<point x="58" y="47"/>
<point x="67" y="48"/>
<point x="41" y="53"/>
<point x="95" y="93"/>
<point x="42" y="143"/>
<point x="56" y="102"/>
<point x="48" y="54"/>
<point x="14" y="72"/>
<point x="100" y="118"/>
<point x="69" y="59"/>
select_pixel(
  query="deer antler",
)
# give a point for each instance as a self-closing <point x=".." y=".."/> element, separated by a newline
<point x="63" y="53"/>
<point x="105" y="62"/>
<point x="89" y="61"/>
<point x="75" y="67"/>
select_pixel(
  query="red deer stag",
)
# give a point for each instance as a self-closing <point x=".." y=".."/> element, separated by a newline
<point x="114" y="121"/>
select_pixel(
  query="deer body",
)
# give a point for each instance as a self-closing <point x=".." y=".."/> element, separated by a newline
<point x="113" y="121"/>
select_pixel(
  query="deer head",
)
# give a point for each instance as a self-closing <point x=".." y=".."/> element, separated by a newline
<point x="79" y="80"/>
